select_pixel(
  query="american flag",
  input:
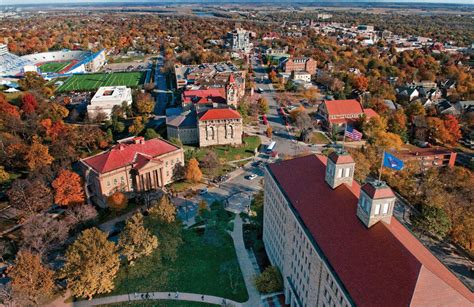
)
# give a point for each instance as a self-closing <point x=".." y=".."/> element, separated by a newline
<point x="353" y="134"/>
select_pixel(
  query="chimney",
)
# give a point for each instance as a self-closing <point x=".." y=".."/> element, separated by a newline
<point x="376" y="203"/>
<point x="339" y="168"/>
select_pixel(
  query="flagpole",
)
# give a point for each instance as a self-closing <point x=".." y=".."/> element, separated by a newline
<point x="381" y="165"/>
<point x="344" y="137"/>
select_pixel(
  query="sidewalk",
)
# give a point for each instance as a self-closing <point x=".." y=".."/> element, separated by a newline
<point x="245" y="263"/>
<point x="193" y="297"/>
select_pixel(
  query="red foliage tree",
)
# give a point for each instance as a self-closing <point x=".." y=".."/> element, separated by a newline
<point x="28" y="103"/>
<point x="452" y="126"/>
<point x="68" y="188"/>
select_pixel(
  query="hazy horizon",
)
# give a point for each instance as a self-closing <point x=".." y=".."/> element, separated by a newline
<point x="21" y="2"/>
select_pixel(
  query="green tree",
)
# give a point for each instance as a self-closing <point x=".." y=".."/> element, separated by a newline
<point x="433" y="220"/>
<point x="135" y="240"/>
<point x="151" y="134"/>
<point x="164" y="210"/>
<point x="91" y="264"/>
<point x="269" y="281"/>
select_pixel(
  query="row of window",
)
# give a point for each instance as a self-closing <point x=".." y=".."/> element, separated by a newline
<point x="380" y="209"/>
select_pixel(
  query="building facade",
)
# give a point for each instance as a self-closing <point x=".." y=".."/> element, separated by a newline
<point x="428" y="157"/>
<point x="300" y="64"/>
<point x="220" y="127"/>
<point x="133" y="165"/>
<point x="239" y="40"/>
<point x="337" y="244"/>
<point x="106" y="98"/>
<point x="342" y="112"/>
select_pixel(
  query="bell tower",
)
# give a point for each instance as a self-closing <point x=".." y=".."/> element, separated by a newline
<point x="339" y="169"/>
<point x="376" y="203"/>
<point x="231" y="91"/>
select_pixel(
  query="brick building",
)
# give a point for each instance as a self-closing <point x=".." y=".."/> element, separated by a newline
<point x="428" y="157"/>
<point x="341" y="112"/>
<point x="133" y="165"/>
<point x="300" y="64"/>
<point x="337" y="244"/>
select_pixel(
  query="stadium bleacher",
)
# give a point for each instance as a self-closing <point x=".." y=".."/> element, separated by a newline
<point x="10" y="64"/>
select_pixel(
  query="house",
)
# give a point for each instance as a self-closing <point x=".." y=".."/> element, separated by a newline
<point x="301" y="76"/>
<point x="408" y="93"/>
<point x="133" y="165"/>
<point x="106" y="98"/>
<point x="300" y="64"/>
<point x="337" y="243"/>
<point x="341" y="112"/>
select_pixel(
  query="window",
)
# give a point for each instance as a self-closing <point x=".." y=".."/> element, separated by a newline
<point x="385" y="208"/>
<point x="377" y="209"/>
<point x="347" y="172"/>
<point x="367" y="206"/>
<point x="339" y="173"/>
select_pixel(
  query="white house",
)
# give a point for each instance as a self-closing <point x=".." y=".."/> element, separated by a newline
<point x="106" y="98"/>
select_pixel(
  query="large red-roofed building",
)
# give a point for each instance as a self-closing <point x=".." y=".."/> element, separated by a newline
<point x="133" y="165"/>
<point x="342" y="112"/>
<point x="337" y="244"/>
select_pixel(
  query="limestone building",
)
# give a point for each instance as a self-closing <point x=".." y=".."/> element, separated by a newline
<point x="220" y="127"/>
<point x="337" y="244"/>
<point x="133" y="165"/>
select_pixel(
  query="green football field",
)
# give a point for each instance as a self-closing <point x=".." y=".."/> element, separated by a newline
<point x="54" y="66"/>
<point x="91" y="82"/>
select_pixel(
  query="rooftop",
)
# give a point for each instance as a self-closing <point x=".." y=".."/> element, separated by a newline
<point x="129" y="152"/>
<point x="212" y="95"/>
<point x="107" y="93"/>
<point x="342" y="107"/>
<point x="381" y="266"/>
<point x="213" y="114"/>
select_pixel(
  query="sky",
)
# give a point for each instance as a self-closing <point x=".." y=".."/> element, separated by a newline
<point x="9" y="2"/>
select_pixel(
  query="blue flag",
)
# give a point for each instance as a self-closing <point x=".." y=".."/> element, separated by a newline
<point x="392" y="162"/>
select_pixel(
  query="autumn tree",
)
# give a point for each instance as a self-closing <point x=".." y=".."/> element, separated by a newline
<point x="7" y="108"/>
<point x="42" y="233"/>
<point x="38" y="156"/>
<point x="361" y="83"/>
<point x="68" y="189"/>
<point x="28" y="103"/>
<point x="137" y="126"/>
<point x="29" y="197"/>
<point x="415" y="109"/>
<point x="135" y="240"/>
<point x="117" y="201"/>
<point x="269" y="281"/>
<point x="31" y="81"/>
<point x="164" y="209"/>
<point x="91" y="264"/>
<point x="452" y="126"/>
<point x="269" y="131"/>
<point x="143" y="103"/>
<point x="193" y="172"/>
<point x="4" y="175"/>
<point x="262" y="105"/>
<point x="30" y="279"/>
<point x="397" y="123"/>
<point x="210" y="162"/>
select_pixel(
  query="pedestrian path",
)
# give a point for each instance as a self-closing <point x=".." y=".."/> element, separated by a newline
<point x="245" y="263"/>
<point x="151" y="296"/>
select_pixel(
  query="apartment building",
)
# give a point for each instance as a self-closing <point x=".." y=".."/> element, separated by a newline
<point x="133" y="165"/>
<point x="337" y="244"/>
<point x="300" y="64"/>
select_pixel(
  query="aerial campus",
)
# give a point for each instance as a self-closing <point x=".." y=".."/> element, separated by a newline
<point x="237" y="153"/>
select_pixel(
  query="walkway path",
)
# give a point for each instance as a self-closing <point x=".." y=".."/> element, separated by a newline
<point x="157" y="296"/>
<point x="245" y="263"/>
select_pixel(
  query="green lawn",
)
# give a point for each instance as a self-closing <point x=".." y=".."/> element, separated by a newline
<point x="54" y="66"/>
<point x="91" y="82"/>
<point x="205" y="264"/>
<point x="162" y="303"/>
<point x="319" y="138"/>
<point x="230" y="153"/>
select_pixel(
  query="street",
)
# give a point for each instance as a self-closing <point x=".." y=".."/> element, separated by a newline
<point x="161" y="88"/>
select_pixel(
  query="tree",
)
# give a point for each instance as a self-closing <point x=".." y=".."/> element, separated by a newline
<point x="42" y="233"/>
<point x="30" y="278"/>
<point x="77" y="215"/>
<point x="7" y="108"/>
<point x="135" y="240"/>
<point x="361" y="83"/>
<point x="143" y="103"/>
<point x="178" y="172"/>
<point x="262" y="105"/>
<point x="452" y="126"/>
<point x="202" y="207"/>
<point x="28" y="103"/>
<point x="433" y="220"/>
<point x="4" y="175"/>
<point x="210" y="162"/>
<point x="137" y="127"/>
<point x="437" y="131"/>
<point x="193" y="172"/>
<point x="397" y="123"/>
<point x="68" y="189"/>
<point x="269" y="281"/>
<point x="415" y="109"/>
<point x="38" y="156"/>
<point x="91" y="264"/>
<point x="29" y="197"/>
<point x="117" y="201"/>
<point x="151" y="134"/>
<point x="164" y="210"/>
<point x="31" y="81"/>
<point x="269" y="132"/>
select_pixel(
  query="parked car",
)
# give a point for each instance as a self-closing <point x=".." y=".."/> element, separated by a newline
<point x="251" y="177"/>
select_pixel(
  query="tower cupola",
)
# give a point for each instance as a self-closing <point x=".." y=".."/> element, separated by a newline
<point x="376" y="203"/>
<point x="339" y="168"/>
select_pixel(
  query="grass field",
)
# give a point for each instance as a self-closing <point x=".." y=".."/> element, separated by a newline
<point x="91" y="82"/>
<point x="54" y="66"/>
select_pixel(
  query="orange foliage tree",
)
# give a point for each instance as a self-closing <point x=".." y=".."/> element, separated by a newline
<point x="68" y="188"/>
<point x="117" y="201"/>
<point x="6" y="108"/>
<point x="193" y="172"/>
<point x="38" y="156"/>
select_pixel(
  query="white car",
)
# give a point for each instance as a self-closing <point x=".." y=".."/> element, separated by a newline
<point x="252" y="177"/>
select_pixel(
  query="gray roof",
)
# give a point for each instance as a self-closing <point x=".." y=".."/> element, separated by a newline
<point x="185" y="120"/>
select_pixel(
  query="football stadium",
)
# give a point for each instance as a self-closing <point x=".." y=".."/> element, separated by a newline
<point x="50" y="64"/>
<point x="91" y="82"/>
